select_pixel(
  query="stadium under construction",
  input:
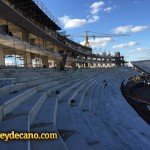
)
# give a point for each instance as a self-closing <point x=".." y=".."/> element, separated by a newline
<point x="29" y="37"/>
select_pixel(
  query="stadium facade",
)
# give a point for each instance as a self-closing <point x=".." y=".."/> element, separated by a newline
<point x="29" y="37"/>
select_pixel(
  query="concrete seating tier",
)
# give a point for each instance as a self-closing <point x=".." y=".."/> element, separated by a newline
<point x="86" y="113"/>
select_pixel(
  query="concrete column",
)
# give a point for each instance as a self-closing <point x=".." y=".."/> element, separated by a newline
<point x="78" y="64"/>
<point x="25" y="36"/>
<point x="97" y="65"/>
<point x="55" y="48"/>
<point x="45" y="61"/>
<point x="2" y="61"/>
<point x="73" y="65"/>
<point x="28" y="60"/>
<point x="56" y="62"/>
<point x="83" y="65"/>
<point x="44" y="44"/>
<point x="86" y="65"/>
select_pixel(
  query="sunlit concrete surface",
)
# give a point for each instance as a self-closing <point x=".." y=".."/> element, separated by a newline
<point x="87" y="113"/>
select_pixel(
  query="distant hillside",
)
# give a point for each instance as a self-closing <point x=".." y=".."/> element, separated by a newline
<point x="143" y="65"/>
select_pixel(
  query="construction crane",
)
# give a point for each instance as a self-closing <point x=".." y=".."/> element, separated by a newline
<point x="102" y="35"/>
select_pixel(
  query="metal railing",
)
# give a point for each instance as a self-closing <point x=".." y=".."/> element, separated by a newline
<point x="46" y="11"/>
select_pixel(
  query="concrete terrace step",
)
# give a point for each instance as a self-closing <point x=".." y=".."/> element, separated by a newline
<point x="12" y="88"/>
<point x="116" y="131"/>
<point x="57" y="144"/>
<point x="64" y="118"/>
<point x="45" y="80"/>
<point x="23" y="109"/>
<point x="84" y="129"/>
<point x="48" y="85"/>
<point x="28" y="78"/>
<point x="47" y="112"/>
<point x="84" y="94"/>
<point x="124" y="130"/>
<point x="44" y="123"/>
<point x="62" y="95"/>
<point x="45" y="119"/>
<point x="82" y="126"/>
<point x="12" y="80"/>
<point x="37" y="77"/>
<point x="66" y="123"/>
<point x="88" y="92"/>
<point x="105" y="137"/>
<point x="1" y="75"/>
<point x="77" y="94"/>
<point x="16" y="87"/>
<point x="75" y="142"/>
<point x="38" y="82"/>
<point x="24" y="114"/>
<point x="55" y="84"/>
<point x="95" y="103"/>
<point x="10" y="102"/>
<point x="66" y="84"/>
<point x="5" y="98"/>
<point x="87" y="99"/>
<point x="20" y="86"/>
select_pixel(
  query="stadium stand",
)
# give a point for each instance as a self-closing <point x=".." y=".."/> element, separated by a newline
<point x="75" y="104"/>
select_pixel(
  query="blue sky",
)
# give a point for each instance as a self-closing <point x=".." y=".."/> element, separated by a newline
<point x="108" y="16"/>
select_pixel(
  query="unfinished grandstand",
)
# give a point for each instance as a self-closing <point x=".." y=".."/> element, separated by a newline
<point x="84" y="106"/>
<point x="29" y="38"/>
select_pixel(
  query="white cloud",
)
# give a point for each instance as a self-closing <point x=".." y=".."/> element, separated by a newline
<point x="129" y="29"/>
<point x="139" y="28"/>
<point x="93" y="19"/>
<point x="131" y="52"/>
<point x="96" y="6"/>
<point x="98" y="42"/>
<point x="141" y="49"/>
<point x="109" y="9"/>
<point x="72" y="23"/>
<point x="126" y="45"/>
